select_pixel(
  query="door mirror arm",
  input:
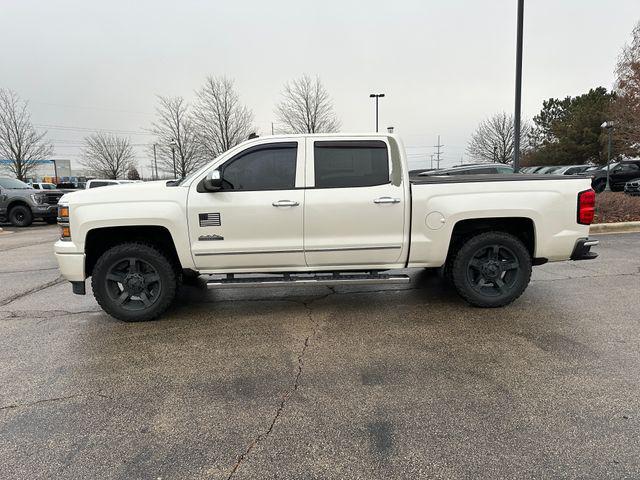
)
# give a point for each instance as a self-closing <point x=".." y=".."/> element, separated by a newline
<point x="213" y="181"/>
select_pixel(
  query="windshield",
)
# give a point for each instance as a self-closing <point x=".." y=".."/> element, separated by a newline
<point x="13" y="184"/>
<point x="48" y="186"/>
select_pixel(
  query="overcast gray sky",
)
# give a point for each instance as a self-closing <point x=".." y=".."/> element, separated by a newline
<point x="444" y="65"/>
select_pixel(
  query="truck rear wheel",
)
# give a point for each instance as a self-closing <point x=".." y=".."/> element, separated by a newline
<point x="491" y="269"/>
<point x="134" y="282"/>
<point x="20" y="216"/>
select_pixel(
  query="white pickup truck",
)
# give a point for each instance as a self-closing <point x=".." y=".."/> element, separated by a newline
<point x="320" y="210"/>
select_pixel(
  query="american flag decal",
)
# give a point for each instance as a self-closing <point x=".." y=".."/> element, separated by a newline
<point x="209" y="219"/>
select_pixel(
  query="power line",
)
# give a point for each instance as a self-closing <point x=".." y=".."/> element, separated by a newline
<point x="96" y="130"/>
<point x="89" y="107"/>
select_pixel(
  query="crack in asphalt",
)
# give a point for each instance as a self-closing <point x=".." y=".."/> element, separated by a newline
<point x="29" y="271"/>
<point x="37" y="289"/>
<point x="586" y="276"/>
<point x="44" y="313"/>
<point x="294" y="385"/>
<point x="55" y="399"/>
<point x="25" y="246"/>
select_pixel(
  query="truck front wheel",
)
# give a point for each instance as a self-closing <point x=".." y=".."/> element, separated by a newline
<point x="20" y="216"/>
<point x="134" y="282"/>
<point x="491" y="269"/>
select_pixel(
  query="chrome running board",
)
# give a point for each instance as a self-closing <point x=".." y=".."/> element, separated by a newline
<point x="306" y="279"/>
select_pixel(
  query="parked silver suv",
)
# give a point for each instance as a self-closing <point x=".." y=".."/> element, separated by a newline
<point x="20" y="204"/>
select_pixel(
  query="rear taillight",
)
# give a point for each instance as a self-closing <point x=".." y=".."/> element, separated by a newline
<point x="586" y="207"/>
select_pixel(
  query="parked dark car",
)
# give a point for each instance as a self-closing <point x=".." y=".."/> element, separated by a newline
<point x="619" y="174"/>
<point x="576" y="169"/>
<point x="477" y="169"/>
<point x="632" y="187"/>
<point x="20" y="204"/>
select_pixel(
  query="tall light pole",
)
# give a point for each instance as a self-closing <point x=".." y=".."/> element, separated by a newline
<point x="155" y="160"/>
<point x="173" y="144"/>
<point x="518" y="109"/>
<point x="608" y="126"/>
<point x="376" y="96"/>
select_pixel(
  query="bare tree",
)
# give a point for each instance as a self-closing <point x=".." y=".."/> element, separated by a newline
<point x="220" y="119"/>
<point x="19" y="141"/>
<point x="493" y="140"/>
<point x="306" y="107"/>
<point x="108" y="156"/>
<point x="176" y="137"/>
<point x="625" y="108"/>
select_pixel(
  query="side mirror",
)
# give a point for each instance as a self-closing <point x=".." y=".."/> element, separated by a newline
<point x="213" y="181"/>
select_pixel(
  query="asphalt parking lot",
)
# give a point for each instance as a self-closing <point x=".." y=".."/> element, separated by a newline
<point x="357" y="382"/>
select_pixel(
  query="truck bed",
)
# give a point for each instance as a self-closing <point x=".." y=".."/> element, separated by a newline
<point x="431" y="179"/>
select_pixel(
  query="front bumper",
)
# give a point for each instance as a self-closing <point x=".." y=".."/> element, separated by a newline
<point x="632" y="190"/>
<point x="45" y="210"/>
<point x="582" y="250"/>
<point x="70" y="260"/>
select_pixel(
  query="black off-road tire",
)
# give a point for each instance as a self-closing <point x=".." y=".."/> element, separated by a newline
<point x="470" y="281"/>
<point x="20" y="216"/>
<point x="147" y="254"/>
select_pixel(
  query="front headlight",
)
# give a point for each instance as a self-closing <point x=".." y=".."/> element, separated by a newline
<point x="38" y="198"/>
<point x="63" y="221"/>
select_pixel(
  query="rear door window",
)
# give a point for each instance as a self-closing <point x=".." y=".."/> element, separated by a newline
<point x="346" y="163"/>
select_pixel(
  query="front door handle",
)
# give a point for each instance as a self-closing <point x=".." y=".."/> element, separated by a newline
<point x="386" y="200"/>
<point x="285" y="203"/>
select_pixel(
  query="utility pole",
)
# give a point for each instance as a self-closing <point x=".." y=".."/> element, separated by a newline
<point x="55" y="171"/>
<point x="272" y="128"/>
<point x="155" y="160"/>
<point x="438" y="152"/>
<point x="518" y="109"/>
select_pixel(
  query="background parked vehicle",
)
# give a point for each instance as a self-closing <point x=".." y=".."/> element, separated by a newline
<point x="632" y="187"/>
<point x="471" y="169"/>
<point x="619" y="174"/>
<point x="20" y="204"/>
<point x="97" y="182"/>
<point x="43" y="186"/>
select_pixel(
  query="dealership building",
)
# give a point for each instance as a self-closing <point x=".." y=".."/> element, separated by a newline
<point x="46" y="170"/>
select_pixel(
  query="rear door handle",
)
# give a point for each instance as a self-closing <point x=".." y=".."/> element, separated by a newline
<point x="285" y="203"/>
<point x="386" y="200"/>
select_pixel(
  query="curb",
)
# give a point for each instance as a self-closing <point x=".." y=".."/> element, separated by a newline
<point x="621" y="227"/>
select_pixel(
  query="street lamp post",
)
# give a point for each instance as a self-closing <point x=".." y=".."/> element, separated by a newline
<point x="376" y="96"/>
<point x="608" y="126"/>
<point x="155" y="160"/>
<point x="173" y="144"/>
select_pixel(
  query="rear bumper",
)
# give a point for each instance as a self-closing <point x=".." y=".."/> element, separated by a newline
<point x="582" y="250"/>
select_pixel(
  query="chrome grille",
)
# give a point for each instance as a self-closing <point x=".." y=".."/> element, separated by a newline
<point x="52" y="198"/>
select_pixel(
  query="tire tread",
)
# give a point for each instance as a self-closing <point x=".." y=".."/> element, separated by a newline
<point x="458" y="272"/>
<point x="131" y="248"/>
